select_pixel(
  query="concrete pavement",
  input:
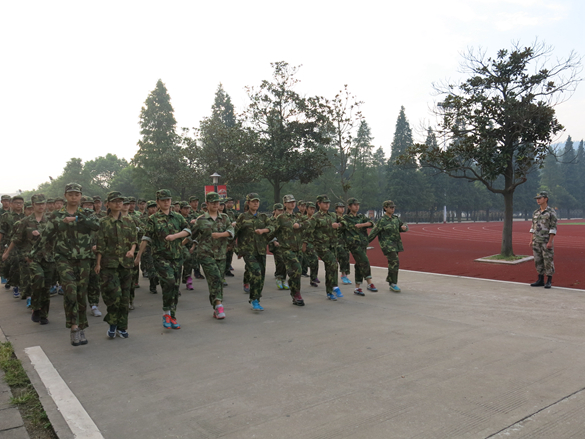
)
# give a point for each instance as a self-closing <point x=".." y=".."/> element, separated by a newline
<point x="446" y="358"/>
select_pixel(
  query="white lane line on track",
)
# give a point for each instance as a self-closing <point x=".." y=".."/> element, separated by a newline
<point x="81" y="425"/>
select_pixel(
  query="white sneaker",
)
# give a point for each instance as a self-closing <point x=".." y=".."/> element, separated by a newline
<point x="95" y="311"/>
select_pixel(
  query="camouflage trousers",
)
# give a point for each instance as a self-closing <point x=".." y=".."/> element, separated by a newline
<point x="293" y="269"/>
<point x="135" y="277"/>
<point x="214" y="270"/>
<point x="11" y="269"/>
<point x="93" y="289"/>
<point x="393" y="266"/>
<point x="229" y="256"/>
<point x="74" y="276"/>
<point x="343" y="258"/>
<point x="304" y="262"/>
<point x="24" y="277"/>
<point x="256" y="269"/>
<point x="187" y="265"/>
<point x="41" y="281"/>
<point x="331" y="273"/>
<point x="280" y="272"/>
<point x="169" y="276"/>
<point x="543" y="258"/>
<point x="147" y="263"/>
<point x="312" y="260"/>
<point x="115" y="287"/>
<point x="362" y="264"/>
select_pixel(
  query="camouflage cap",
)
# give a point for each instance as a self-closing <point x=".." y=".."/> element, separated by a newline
<point x="86" y="199"/>
<point x="60" y="199"/>
<point x="114" y="195"/>
<point x="340" y="204"/>
<point x="253" y="196"/>
<point x="301" y="203"/>
<point x="178" y="202"/>
<point x="184" y="204"/>
<point x="141" y="200"/>
<point x="151" y="203"/>
<point x="97" y="198"/>
<point x="163" y="194"/>
<point x="212" y="197"/>
<point x="193" y="198"/>
<point x="203" y="205"/>
<point x="228" y="199"/>
<point x="17" y="197"/>
<point x="388" y="203"/>
<point x="132" y="199"/>
<point x="288" y="198"/>
<point x="353" y="201"/>
<point x="278" y="206"/>
<point x="6" y="197"/>
<point x="222" y="202"/>
<point x="541" y="194"/>
<point x="126" y="200"/>
<point x="50" y="200"/>
<point x="73" y="187"/>
<point x="311" y="204"/>
<point x="323" y="199"/>
<point x="38" y="199"/>
<point x="27" y="204"/>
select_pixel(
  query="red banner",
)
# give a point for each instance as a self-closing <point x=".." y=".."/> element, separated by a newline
<point x="209" y="189"/>
<point x="222" y="190"/>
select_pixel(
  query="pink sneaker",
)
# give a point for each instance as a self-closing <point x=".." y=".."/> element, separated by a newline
<point x="189" y="283"/>
<point x="219" y="312"/>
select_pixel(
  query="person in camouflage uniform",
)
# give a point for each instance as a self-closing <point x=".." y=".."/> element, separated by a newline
<point x="147" y="261"/>
<point x="233" y="215"/>
<point x="211" y="232"/>
<point x="543" y="232"/>
<point x="70" y="230"/>
<point x="341" y="248"/>
<point x="388" y="230"/>
<point x="97" y="207"/>
<point x="93" y="287"/>
<point x="195" y="213"/>
<point x="309" y="254"/>
<point x="26" y="232"/>
<point x="185" y="211"/>
<point x="10" y="266"/>
<point x="23" y="267"/>
<point x="289" y="236"/>
<point x="50" y="206"/>
<point x="164" y="232"/>
<point x="325" y="241"/>
<point x="301" y="215"/>
<point x="4" y="207"/>
<point x="274" y="248"/>
<point x="140" y="226"/>
<point x="116" y="243"/>
<point x="252" y="231"/>
<point x="355" y="234"/>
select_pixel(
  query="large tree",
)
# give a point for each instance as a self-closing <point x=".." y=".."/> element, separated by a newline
<point x="500" y="120"/>
<point x="290" y="130"/>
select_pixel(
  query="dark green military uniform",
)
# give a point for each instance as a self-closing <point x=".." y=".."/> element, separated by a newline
<point x="544" y="228"/>
<point x="310" y="257"/>
<point x="325" y="241"/>
<point x="280" y="267"/>
<point x="356" y="240"/>
<point x="11" y="267"/>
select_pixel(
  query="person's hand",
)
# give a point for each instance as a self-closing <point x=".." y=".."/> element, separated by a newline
<point x="130" y="254"/>
<point x="296" y="226"/>
<point x="5" y="255"/>
<point x="216" y="235"/>
<point x="97" y="269"/>
<point x="193" y="220"/>
<point x="530" y="242"/>
<point x="549" y="245"/>
<point x="170" y="238"/>
<point x="36" y="233"/>
<point x="259" y="231"/>
<point x="336" y="225"/>
<point x="276" y="244"/>
<point x="404" y="228"/>
<point x="304" y="247"/>
<point x="68" y="219"/>
<point x="137" y="261"/>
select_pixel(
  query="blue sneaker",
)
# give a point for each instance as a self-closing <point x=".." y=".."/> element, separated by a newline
<point x="337" y="292"/>
<point x="256" y="305"/>
<point x="345" y="280"/>
<point x="15" y="293"/>
<point x="28" y="302"/>
<point x="60" y="291"/>
<point x="53" y="291"/>
<point x="331" y="297"/>
<point x="285" y="285"/>
<point x="167" y="321"/>
<point x="394" y="288"/>
<point x="112" y="331"/>
<point x="123" y="333"/>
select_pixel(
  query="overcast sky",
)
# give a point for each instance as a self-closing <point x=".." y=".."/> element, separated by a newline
<point x="76" y="74"/>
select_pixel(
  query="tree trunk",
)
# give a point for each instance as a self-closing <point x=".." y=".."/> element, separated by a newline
<point x="276" y="186"/>
<point x="507" y="249"/>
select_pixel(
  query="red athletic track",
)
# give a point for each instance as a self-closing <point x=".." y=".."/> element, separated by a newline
<point x="452" y="248"/>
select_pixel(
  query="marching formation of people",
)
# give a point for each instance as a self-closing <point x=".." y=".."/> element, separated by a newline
<point x="71" y="246"/>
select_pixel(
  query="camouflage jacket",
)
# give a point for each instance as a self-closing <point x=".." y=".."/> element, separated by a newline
<point x="308" y="231"/>
<point x="353" y="236"/>
<point x="114" y="238"/>
<point x="324" y="235"/>
<point x="24" y="239"/>
<point x="7" y="222"/>
<point x="101" y="214"/>
<point x="388" y="230"/>
<point x="544" y="223"/>
<point x="288" y="237"/>
<point x="69" y="240"/>
<point x="202" y="229"/>
<point x="249" y="242"/>
<point x="158" y="227"/>
<point x="233" y="214"/>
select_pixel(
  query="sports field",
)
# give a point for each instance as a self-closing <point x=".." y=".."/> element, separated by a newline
<point x="452" y="249"/>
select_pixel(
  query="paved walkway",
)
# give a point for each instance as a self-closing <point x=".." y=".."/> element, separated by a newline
<point x="447" y="358"/>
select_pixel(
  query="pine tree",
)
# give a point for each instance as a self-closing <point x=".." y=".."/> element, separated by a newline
<point x="402" y="135"/>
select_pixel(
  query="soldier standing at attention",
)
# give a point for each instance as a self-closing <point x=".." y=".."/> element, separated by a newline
<point x="388" y="230"/>
<point x="69" y="231"/>
<point x="252" y="230"/>
<point x="543" y="230"/>
<point x="117" y="239"/>
<point x="59" y="203"/>
<point x="141" y="206"/>
<point x="288" y="235"/>
<point x="97" y="207"/>
<point x="341" y="250"/>
<point x="355" y="235"/>
<point x="325" y="240"/>
<point x="211" y="231"/>
<point x="164" y="231"/>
